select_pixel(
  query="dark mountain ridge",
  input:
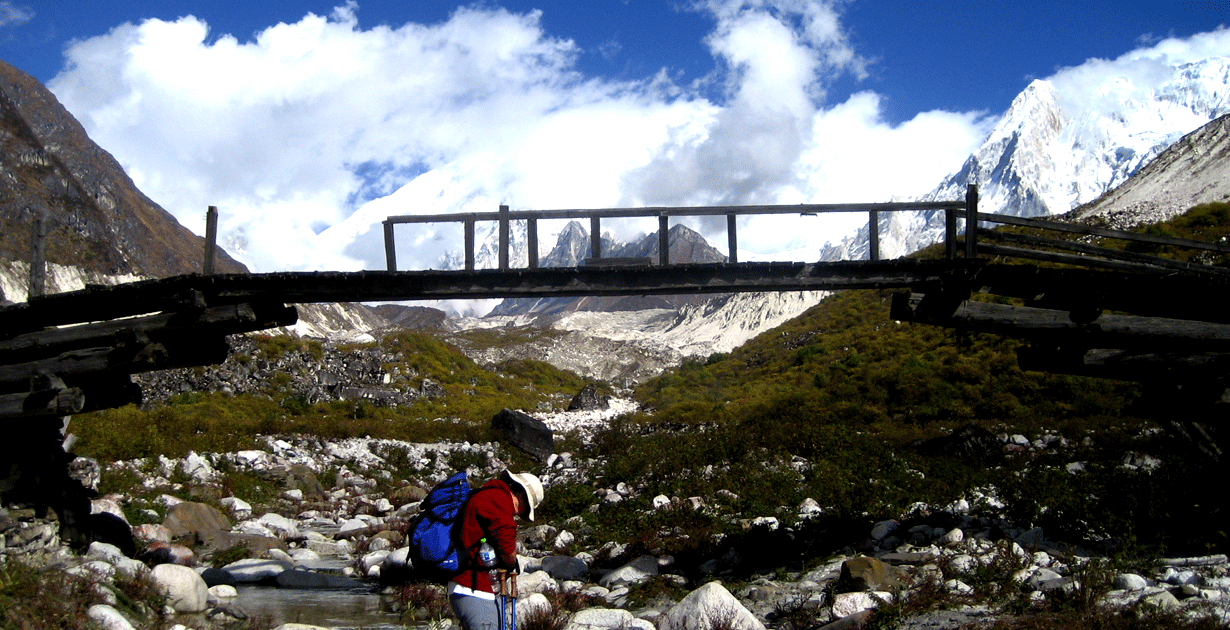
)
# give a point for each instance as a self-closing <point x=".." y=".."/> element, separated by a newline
<point x="99" y="221"/>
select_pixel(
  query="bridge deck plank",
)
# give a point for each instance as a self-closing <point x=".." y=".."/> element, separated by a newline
<point x="195" y="291"/>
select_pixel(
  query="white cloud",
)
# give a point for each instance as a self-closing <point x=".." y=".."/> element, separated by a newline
<point x="1135" y="73"/>
<point x="14" y="15"/>
<point x="310" y="133"/>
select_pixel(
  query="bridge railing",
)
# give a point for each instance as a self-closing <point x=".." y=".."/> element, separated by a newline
<point x="1081" y="253"/>
<point x="960" y="210"/>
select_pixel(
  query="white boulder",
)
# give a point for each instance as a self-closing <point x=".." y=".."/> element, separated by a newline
<point x="186" y="592"/>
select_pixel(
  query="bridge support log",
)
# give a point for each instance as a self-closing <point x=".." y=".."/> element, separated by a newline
<point x="1058" y="328"/>
<point x="57" y="402"/>
<point x="122" y="359"/>
<point x="216" y="321"/>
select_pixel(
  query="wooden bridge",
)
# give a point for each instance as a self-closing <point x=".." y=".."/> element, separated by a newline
<point x="72" y="352"/>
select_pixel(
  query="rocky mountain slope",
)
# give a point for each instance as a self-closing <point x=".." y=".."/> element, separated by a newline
<point x="99" y="222"/>
<point x="1049" y="154"/>
<point x="1191" y="171"/>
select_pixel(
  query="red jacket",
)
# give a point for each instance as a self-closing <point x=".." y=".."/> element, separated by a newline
<point x="488" y="514"/>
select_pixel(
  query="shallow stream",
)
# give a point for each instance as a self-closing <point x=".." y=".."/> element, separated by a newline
<point x="327" y="608"/>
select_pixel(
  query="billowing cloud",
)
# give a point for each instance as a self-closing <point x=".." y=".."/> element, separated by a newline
<point x="1100" y="84"/>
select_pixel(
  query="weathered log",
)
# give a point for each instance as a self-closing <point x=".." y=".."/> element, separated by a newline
<point x="139" y="298"/>
<point x="123" y="359"/>
<point x="1057" y="328"/>
<point x="52" y="402"/>
<point x="218" y="320"/>
<point x="1125" y="365"/>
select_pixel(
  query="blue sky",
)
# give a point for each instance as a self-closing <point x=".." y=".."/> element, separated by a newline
<point x="955" y="55"/>
<point x="308" y="122"/>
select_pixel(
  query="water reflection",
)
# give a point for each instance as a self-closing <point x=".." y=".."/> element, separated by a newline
<point x="330" y="609"/>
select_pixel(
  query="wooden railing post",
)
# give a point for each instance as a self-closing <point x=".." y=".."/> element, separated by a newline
<point x="971" y="221"/>
<point x="531" y="242"/>
<point x="873" y="235"/>
<point x="503" y="254"/>
<point x="950" y="233"/>
<point x="211" y="239"/>
<point x="38" y="254"/>
<point x="664" y="240"/>
<point x="390" y="252"/>
<point x="595" y="237"/>
<point x="469" y="230"/>
<point x="732" y="241"/>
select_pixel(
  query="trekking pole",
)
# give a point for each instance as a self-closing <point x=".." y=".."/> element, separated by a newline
<point x="513" y="616"/>
<point x="500" y="602"/>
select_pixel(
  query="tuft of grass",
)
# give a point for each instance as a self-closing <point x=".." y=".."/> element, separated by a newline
<point x="45" y="598"/>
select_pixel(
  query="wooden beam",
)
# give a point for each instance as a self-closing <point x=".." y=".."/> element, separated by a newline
<point x="504" y="236"/>
<point x="873" y="235"/>
<point x="38" y="254"/>
<point x="469" y="243"/>
<point x="950" y="233"/>
<point x="46" y="403"/>
<point x="692" y="211"/>
<point x="531" y="243"/>
<point x="211" y="239"/>
<point x="190" y="351"/>
<point x="1104" y="252"/>
<point x="664" y="240"/>
<point x="595" y="237"/>
<point x="1127" y="365"/>
<point x="732" y="240"/>
<point x="390" y="249"/>
<point x="971" y="221"/>
<point x="1075" y="228"/>
<point x="217" y="320"/>
<point x="1055" y="327"/>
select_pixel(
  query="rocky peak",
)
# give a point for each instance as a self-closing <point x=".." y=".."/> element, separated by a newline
<point x="571" y="249"/>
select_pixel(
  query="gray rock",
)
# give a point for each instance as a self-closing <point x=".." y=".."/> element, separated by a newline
<point x="255" y="570"/>
<point x="1130" y="582"/>
<point x="863" y="574"/>
<point x="431" y="389"/>
<point x="189" y="518"/>
<point x="709" y="606"/>
<point x="1163" y="600"/>
<point x="108" y="618"/>
<point x="564" y="567"/>
<point x="588" y="400"/>
<point x="599" y="619"/>
<point x="882" y="529"/>
<point x="635" y="572"/>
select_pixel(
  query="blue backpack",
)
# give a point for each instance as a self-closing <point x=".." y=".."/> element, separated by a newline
<point x="434" y="551"/>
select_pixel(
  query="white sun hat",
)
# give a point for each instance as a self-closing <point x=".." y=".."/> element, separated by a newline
<point x="531" y="486"/>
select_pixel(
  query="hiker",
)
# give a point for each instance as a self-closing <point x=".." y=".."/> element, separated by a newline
<point x="489" y="514"/>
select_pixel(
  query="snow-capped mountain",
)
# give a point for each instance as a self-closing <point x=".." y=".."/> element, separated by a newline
<point x="1053" y="151"/>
